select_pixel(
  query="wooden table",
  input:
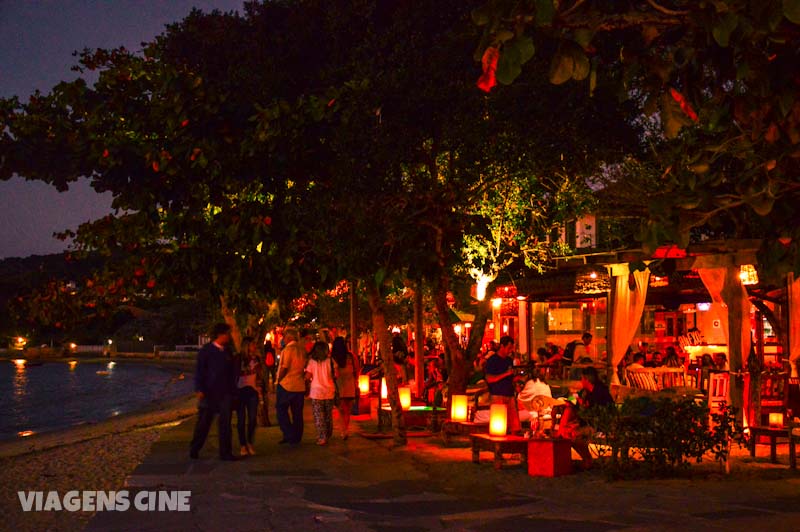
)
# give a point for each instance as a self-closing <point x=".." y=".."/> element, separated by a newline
<point x="498" y="445"/>
<point x="773" y="433"/>
<point x="452" y="428"/>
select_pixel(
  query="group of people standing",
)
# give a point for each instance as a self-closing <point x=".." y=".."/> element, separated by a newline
<point x="224" y="380"/>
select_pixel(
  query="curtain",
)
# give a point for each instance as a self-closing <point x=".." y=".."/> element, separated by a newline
<point x="794" y="323"/>
<point x="714" y="281"/>
<point x="626" y="312"/>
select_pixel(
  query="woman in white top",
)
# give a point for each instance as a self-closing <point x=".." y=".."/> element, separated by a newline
<point x="322" y="391"/>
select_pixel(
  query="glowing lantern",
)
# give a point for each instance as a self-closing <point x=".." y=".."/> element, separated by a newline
<point x="498" y="417"/>
<point x="363" y="384"/>
<point x="405" y="397"/>
<point x="748" y="274"/>
<point x="497" y="302"/>
<point x="384" y="391"/>
<point x="458" y="407"/>
<point x="776" y="420"/>
<point x="72" y="364"/>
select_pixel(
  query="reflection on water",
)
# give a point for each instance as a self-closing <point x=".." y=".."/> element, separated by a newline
<point x="56" y="395"/>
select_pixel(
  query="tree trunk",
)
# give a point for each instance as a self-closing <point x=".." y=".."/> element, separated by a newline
<point x="376" y="305"/>
<point x="229" y="314"/>
<point x="419" y="339"/>
<point x="459" y="372"/>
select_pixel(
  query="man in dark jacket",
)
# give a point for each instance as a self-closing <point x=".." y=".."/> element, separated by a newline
<point x="215" y="384"/>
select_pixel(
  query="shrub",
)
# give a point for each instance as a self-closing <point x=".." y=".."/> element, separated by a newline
<point x="660" y="436"/>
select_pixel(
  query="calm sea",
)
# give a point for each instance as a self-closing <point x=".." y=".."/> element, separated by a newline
<point x="57" y="395"/>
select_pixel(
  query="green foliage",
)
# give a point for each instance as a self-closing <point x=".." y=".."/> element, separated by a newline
<point x="719" y="77"/>
<point x="645" y="436"/>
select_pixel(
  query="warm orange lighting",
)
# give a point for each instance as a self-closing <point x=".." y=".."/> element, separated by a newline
<point x="20" y="362"/>
<point x="363" y="384"/>
<point x="458" y="407"/>
<point x="73" y="346"/>
<point x="25" y="433"/>
<point x="405" y="397"/>
<point x="72" y="364"/>
<point x="497" y="420"/>
<point x="748" y="274"/>
<point x="467" y="325"/>
<point x="497" y="302"/>
<point x="505" y="328"/>
<point x="776" y="420"/>
<point x="384" y="391"/>
<point x="457" y="329"/>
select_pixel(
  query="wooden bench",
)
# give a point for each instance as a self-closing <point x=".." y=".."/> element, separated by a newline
<point x="499" y="445"/>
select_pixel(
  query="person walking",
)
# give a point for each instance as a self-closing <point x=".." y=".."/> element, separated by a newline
<point x="215" y="385"/>
<point x="323" y="390"/>
<point x="291" y="388"/>
<point x="346" y="381"/>
<point x="251" y="374"/>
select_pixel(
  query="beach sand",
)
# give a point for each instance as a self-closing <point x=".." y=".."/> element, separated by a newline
<point x="89" y="457"/>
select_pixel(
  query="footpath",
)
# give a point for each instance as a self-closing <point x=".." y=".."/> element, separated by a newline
<point x="365" y="484"/>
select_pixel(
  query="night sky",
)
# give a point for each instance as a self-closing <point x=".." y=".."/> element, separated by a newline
<point x="38" y="38"/>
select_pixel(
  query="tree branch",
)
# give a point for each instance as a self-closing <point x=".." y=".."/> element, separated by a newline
<point x="666" y="11"/>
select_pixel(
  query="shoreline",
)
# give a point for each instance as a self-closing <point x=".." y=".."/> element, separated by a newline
<point x="152" y="415"/>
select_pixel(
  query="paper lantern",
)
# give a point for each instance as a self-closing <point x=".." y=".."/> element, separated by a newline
<point x="405" y="397"/>
<point x="458" y="407"/>
<point x="384" y="391"/>
<point x="776" y="420"/>
<point x="497" y="420"/>
<point x="748" y="274"/>
<point x="363" y="384"/>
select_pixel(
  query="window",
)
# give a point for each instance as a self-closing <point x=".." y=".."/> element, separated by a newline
<point x="567" y="318"/>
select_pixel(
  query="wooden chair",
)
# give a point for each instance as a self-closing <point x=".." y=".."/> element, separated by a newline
<point x="672" y="377"/>
<point x="718" y="383"/>
<point x="644" y="379"/>
<point x="774" y="394"/>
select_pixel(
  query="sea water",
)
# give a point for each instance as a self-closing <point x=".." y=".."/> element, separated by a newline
<point x="57" y="395"/>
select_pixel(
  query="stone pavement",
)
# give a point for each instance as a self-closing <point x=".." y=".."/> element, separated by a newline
<point x="364" y="484"/>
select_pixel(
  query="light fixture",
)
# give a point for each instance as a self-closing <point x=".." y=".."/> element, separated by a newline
<point x="72" y="364"/>
<point x="405" y="397"/>
<point x="20" y="362"/>
<point x="363" y="384"/>
<point x="497" y="302"/>
<point x="657" y="281"/>
<point x="748" y="274"/>
<point x="498" y="419"/>
<point x="703" y="307"/>
<point x="590" y="280"/>
<point x="458" y="407"/>
<point x="384" y="391"/>
<point x="457" y="329"/>
<point x="776" y="420"/>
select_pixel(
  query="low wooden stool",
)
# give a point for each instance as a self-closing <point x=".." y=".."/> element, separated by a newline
<point x="498" y="445"/>
<point x="452" y="428"/>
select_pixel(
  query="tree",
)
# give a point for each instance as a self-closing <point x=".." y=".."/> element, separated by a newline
<point x="203" y="197"/>
<point x="720" y="77"/>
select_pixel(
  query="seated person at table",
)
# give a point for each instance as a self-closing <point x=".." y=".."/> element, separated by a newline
<point x="541" y="356"/>
<point x="534" y="387"/>
<point x="593" y="393"/>
<point x="638" y="362"/>
<point x="671" y="360"/>
<point x="575" y="350"/>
